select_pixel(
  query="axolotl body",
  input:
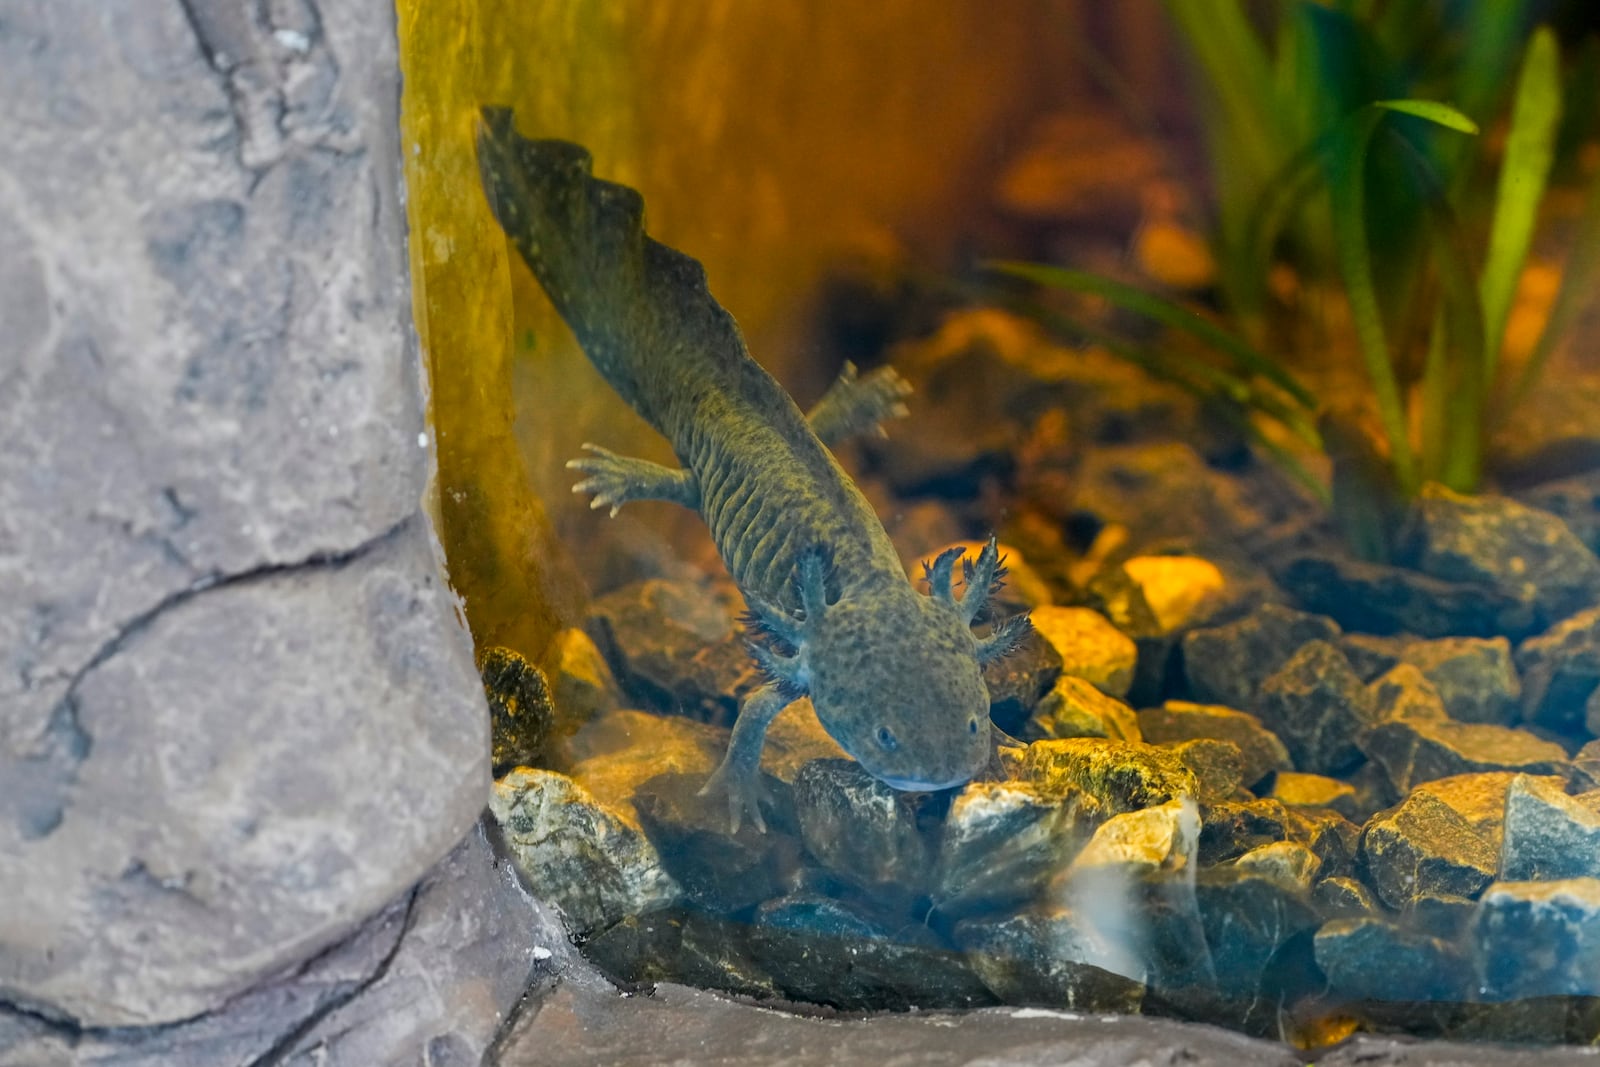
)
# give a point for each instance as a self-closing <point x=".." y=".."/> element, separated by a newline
<point x="895" y="676"/>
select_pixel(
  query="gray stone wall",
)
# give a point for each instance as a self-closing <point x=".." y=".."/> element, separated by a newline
<point x="238" y="714"/>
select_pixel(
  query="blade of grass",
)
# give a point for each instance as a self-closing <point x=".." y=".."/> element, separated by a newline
<point x="1530" y="147"/>
<point x="1167" y="312"/>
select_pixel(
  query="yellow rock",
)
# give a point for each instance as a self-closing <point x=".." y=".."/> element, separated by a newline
<point x="1090" y="647"/>
<point x="617" y="752"/>
<point x="1142" y="842"/>
<point x="1480" y="798"/>
<point x="1173" y="255"/>
<point x="1294" y="789"/>
<point x="1075" y="708"/>
<point x="1177" y="588"/>
<point x="1121" y="775"/>
<point x="580" y="680"/>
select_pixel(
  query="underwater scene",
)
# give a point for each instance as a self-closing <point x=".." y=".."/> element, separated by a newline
<point x="1095" y="510"/>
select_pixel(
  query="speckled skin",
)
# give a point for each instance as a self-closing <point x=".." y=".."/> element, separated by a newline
<point x="895" y="676"/>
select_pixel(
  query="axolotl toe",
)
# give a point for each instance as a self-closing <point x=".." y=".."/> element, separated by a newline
<point x="896" y="676"/>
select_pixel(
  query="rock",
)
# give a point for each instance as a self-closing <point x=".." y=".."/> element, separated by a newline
<point x="859" y="828"/>
<point x="1413" y="750"/>
<point x="440" y="967"/>
<point x="1001" y="841"/>
<point x="1479" y="798"/>
<point x="680" y="945"/>
<point x="1402" y="692"/>
<point x="1423" y="846"/>
<point x="822" y="951"/>
<point x="1343" y="898"/>
<point x="674" y="648"/>
<point x="1370" y="958"/>
<point x="1120" y="775"/>
<point x="1226" y="664"/>
<point x="175" y="869"/>
<point x="1372" y="654"/>
<point x="1248" y="916"/>
<point x="1549" y="836"/>
<point x="1574" y="500"/>
<point x="1561" y="672"/>
<point x="590" y="860"/>
<point x="231" y="665"/>
<point x="1075" y="708"/>
<point x="581" y="681"/>
<point x="1474" y="677"/>
<point x="1318" y="706"/>
<point x="616" y="753"/>
<point x="1162" y="489"/>
<point x="1288" y="863"/>
<point x="1231" y="829"/>
<point x="1173" y="255"/>
<point x="1526" y="554"/>
<point x="521" y="714"/>
<point x="1141" y="842"/>
<point x="1056" y="174"/>
<point x="1382" y="599"/>
<point x="1181" y="590"/>
<point x="1054" y="959"/>
<point x="718" y="871"/>
<point x="1090" y="647"/>
<point x="1179" y="720"/>
<point x="1586" y="766"/>
<point x="1217" y="766"/>
<point x="1295" y="790"/>
<point x="1540" y="939"/>
<point x="1018" y="682"/>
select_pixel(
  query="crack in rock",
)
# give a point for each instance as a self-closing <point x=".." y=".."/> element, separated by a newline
<point x="47" y="775"/>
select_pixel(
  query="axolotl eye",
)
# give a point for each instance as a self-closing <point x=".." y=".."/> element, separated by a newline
<point x="886" y="739"/>
<point x="972" y="726"/>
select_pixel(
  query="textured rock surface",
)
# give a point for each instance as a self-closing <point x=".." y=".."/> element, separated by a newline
<point x="229" y="667"/>
<point x="1090" y="647"/>
<point x="1424" y="846"/>
<point x="1227" y="664"/>
<point x="1178" y="720"/>
<point x="1416" y="750"/>
<point x="438" y="970"/>
<point x="1317" y="704"/>
<point x="1555" y="923"/>
<point x="1548" y="835"/>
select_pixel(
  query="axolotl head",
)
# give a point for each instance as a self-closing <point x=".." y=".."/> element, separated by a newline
<point x="896" y="677"/>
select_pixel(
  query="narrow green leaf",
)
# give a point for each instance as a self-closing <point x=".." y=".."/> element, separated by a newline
<point x="1346" y="162"/>
<point x="1431" y="110"/>
<point x="1530" y="147"/>
<point x="1167" y="312"/>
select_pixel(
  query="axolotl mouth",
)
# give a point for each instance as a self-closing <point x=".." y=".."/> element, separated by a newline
<point x="918" y="785"/>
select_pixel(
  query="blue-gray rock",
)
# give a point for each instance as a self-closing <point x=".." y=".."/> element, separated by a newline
<point x="1561" y="672"/>
<point x="1260" y="749"/>
<point x="1527" y="554"/>
<point x="1540" y="939"/>
<point x="1318" y="705"/>
<point x="1227" y="664"/>
<point x="1386" y="599"/>
<point x="1371" y="958"/>
<point x="1424" y="846"/>
<point x="1548" y="835"/>
<point x="1474" y="676"/>
<point x="1414" y="750"/>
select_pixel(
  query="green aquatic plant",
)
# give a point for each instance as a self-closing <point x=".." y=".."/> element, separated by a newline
<point x="1372" y="200"/>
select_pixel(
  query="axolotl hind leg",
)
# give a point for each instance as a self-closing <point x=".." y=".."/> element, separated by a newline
<point x="856" y="405"/>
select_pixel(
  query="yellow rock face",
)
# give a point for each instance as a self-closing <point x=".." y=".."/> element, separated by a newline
<point x="1090" y="647"/>
<point x="1177" y="588"/>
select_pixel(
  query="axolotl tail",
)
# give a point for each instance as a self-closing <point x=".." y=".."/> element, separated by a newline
<point x="584" y="240"/>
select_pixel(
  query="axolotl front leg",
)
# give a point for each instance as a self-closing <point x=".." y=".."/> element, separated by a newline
<point x="852" y="405"/>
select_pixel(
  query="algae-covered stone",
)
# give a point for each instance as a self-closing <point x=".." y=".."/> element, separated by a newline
<point x="1179" y="589"/>
<point x="859" y="828"/>
<point x="1122" y="776"/>
<point x="827" y="952"/>
<point x="1415" y="750"/>
<point x="1424" y="846"/>
<point x="1370" y="958"/>
<point x="1528" y="554"/>
<point x="1057" y="958"/>
<point x="1074" y="707"/>
<point x="1474" y="676"/>
<point x="521" y="713"/>
<point x="1001" y="841"/>
<point x="1217" y="765"/>
<point x="1227" y="664"/>
<point x="1561" y="672"/>
<point x="1141" y="842"/>
<point x="590" y="860"/>
<point x="1089" y="646"/>
<point x="1340" y="896"/>
<point x="1548" y="835"/>
<point x="1178" y="720"/>
<point x="1540" y="939"/>
<point x="1293" y="789"/>
<point x="1318" y="705"/>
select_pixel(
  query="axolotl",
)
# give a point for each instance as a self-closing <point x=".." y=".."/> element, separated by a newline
<point x="895" y="676"/>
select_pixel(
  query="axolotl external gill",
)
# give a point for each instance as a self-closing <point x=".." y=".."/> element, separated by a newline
<point x="895" y="676"/>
